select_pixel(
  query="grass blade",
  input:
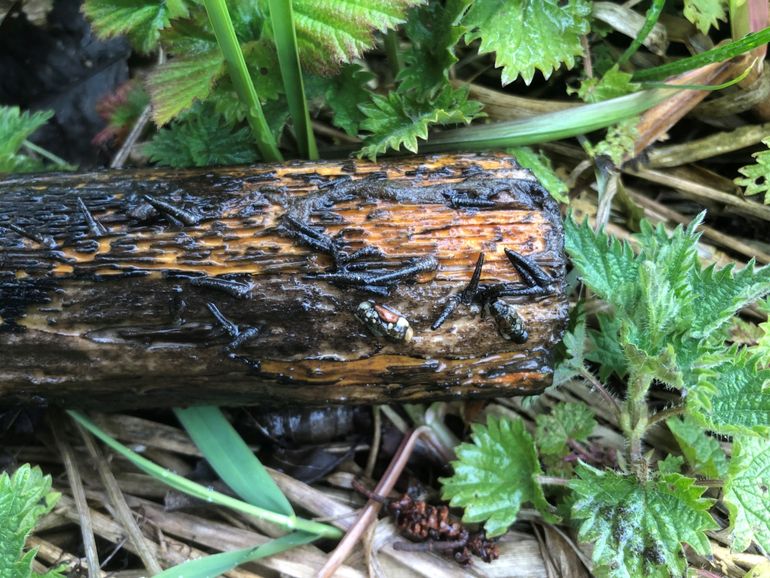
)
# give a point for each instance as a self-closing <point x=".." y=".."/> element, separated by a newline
<point x="217" y="564"/>
<point x="547" y="127"/>
<point x="285" y="35"/>
<point x="202" y="493"/>
<point x="236" y="66"/>
<point x="653" y="14"/>
<point x="717" y="54"/>
<point x="235" y="463"/>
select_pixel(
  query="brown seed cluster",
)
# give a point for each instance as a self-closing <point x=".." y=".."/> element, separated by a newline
<point x="435" y="527"/>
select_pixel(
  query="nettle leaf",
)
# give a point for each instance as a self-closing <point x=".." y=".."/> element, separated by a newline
<point x="176" y="85"/>
<point x="612" y="84"/>
<point x="200" y="75"/>
<point x="567" y="421"/>
<point x="721" y="293"/>
<point x="605" y="349"/>
<point x="762" y="348"/>
<point x="608" y="266"/>
<point x="638" y="528"/>
<point x="399" y="120"/>
<point x="653" y="316"/>
<point x="495" y="475"/>
<point x="737" y="398"/>
<point x="756" y="177"/>
<point x="330" y="33"/>
<point x="24" y="498"/>
<point x="705" y="13"/>
<point x="15" y="128"/>
<point x="573" y="342"/>
<point x="201" y="138"/>
<point x="540" y="165"/>
<point x="342" y="94"/>
<point x="140" y="20"/>
<point x="675" y="256"/>
<point x="671" y="465"/>
<point x="434" y="29"/>
<point x="747" y="492"/>
<point x="529" y="35"/>
<point x="703" y="452"/>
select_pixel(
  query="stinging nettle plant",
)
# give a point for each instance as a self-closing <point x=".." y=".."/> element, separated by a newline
<point x="667" y="325"/>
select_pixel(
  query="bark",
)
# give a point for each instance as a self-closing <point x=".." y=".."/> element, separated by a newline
<point x="107" y="282"/>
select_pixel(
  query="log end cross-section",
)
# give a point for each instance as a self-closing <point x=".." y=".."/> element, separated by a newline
<point x="335" y="282"/>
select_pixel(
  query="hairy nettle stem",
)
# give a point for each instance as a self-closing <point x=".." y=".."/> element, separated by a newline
<point x="634" y="420"/>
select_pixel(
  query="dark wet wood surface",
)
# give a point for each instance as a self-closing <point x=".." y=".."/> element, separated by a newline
<point x="107" y="282"/>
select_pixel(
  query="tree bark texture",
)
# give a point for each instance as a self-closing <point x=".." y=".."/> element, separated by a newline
<point x="244" y="285"/>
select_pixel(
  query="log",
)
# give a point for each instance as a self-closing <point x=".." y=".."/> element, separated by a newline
<point x="278" y="284"/>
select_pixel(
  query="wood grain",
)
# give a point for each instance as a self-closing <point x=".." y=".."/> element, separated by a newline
<point x="119" y="317"/>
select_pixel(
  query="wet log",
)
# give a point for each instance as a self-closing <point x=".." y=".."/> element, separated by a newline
<point x="245" y="285"/>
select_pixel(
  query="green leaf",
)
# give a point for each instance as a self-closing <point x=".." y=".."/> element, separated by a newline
<point x="495" y="475"/>
<point x="567" y="421"/>
<point x="399" y="120"/>
<point x="24" y="498"/>
<point x="231" y="458"/>
<point x="574" y="341"/>
<point x="606" y="265"/>
<point x="720" y="53"/>
<point x="175" y="86"/>
<point x="540" y="165"/>
<point x="529" y="35"/>
<point x="613" y="84"/>
<point x="653" y="316"/>
<point x="721" y="293"/>
<point x="703" y="452"/>
<point x="285" y="36"/>
<point x="605" y="349"/>
<point x="671" y="464"/>
<point x="140" y="20"/>
<point x="762" y="348"/>
<point x="638" y="527"/>
<point x="201" y="139"/>
<point x="705" y="13"/>
<point x="747" y="492"/>
<point x="217" y="564"/>
<point x="201" y="492"/>
<point x="15" y="128"/>
<point x="330" y="33"/>
<point x="434" y="29"/>
<point x="675" y="256"/>
<point x="619" y="142"/>
<point x="756" y="177"/>
<point x="240" y="76"/>
<point x="737" y="398"/>
<point x="343" y="93"/>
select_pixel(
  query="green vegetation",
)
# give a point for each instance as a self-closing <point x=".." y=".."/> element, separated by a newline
<point x="24" y="498"/>
<point x="244" y="81"/>
<point x="666" y="326"/>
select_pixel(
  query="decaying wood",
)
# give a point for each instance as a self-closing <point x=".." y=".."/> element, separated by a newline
<point x="240" y="285"/>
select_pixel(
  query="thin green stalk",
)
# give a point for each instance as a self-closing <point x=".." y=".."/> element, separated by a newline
<point x="58" y="161"/>
<point x="547" y="127"/>
<point x="217" y="564"/>
<point x="236" y="66"/>
<point x="711" y="87"/>
<point x="394" y="54"/>
<point x="717" y="54"/>
<point x="285" y="34"/>
<point x="206" y="494"/>
<point x="649" y="23"/>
